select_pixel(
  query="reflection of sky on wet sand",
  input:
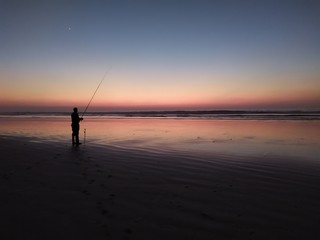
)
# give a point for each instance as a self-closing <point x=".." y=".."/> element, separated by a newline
<point x="277" y="137"/>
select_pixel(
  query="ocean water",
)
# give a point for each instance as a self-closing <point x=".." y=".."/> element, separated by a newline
<point x="272" y="134"/>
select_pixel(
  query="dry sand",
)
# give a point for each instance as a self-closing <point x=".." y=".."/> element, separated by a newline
<point x="56" y="191"/>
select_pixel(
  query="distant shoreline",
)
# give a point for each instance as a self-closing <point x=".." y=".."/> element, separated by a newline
<point x="208" y="114"/>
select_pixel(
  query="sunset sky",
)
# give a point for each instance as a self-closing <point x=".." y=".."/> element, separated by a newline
<point x="165" y="55"/>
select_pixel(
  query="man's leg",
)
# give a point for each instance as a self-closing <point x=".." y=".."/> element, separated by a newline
<point x="77" y="136"/>
<point x="77" y="139"/>
<point x="73" y="138"/>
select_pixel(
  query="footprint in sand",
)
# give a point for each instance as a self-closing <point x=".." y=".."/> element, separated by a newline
<point x="91" y="181"/>
<point x="6" y="176"/>
<point x="104" y="212"/>
<point x="86" y="192"/>
<point x="128" y="231"/>
<point x="56" y="155"/>
<point x="206" y="216"/>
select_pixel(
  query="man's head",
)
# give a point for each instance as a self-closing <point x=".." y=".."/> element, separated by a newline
<point x="75" y="109"/>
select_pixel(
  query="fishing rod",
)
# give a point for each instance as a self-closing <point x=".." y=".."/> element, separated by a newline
<point x="104" y="76"/>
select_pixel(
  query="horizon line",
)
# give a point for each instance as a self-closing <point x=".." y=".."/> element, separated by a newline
<point x="218" y="111"/>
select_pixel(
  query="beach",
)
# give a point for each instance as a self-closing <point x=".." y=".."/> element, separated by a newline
<point x="133" y="188"/>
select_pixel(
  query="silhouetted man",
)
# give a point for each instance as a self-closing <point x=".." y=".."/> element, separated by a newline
<point x="75" y="126"/>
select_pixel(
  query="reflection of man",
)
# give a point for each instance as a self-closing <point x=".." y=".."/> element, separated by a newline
<point x="75" y="126"/>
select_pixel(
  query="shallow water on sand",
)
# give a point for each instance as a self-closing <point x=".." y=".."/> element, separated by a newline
<point x="240" y="137"/>
<point x="228" y="179"/>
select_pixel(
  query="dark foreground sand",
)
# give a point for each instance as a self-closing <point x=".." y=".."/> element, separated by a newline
<point x="55" y="191"/>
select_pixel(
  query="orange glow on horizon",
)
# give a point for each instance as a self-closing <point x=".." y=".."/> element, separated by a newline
<point x="150" y="91"/>
<point x="285" y="101"/>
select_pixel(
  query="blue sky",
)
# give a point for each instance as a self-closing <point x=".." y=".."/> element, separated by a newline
<point x="185" y="47"/>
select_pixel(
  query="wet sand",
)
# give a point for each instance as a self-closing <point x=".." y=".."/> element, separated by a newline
<point x="56" y="191"/>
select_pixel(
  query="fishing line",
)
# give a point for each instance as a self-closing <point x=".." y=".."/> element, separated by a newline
<point x="104" y="76"/>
